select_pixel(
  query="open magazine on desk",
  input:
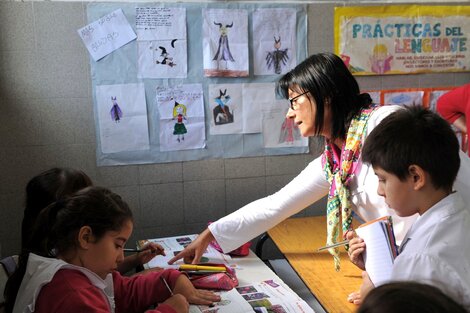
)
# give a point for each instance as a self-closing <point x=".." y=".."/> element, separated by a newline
<point x="261" y="290"/>
<point x="173" y="245"/>
<point x="269" y="296"/>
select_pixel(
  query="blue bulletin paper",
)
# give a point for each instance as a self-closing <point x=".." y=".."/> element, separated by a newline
<point x="121" y="67"/>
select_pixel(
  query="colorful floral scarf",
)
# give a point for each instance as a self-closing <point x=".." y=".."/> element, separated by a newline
<point x="339" y="170"/>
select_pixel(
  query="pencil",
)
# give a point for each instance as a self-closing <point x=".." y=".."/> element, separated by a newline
<point x="338" y="244"/>
<point x="166" y="284"/>
<point x="135" y="250"/>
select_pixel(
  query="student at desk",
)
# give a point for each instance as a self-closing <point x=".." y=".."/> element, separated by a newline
<point x="415" y="155"/>
<point x="325" y="100"/>
<point x="58" y="183"/>
<point x="75" y="249"/>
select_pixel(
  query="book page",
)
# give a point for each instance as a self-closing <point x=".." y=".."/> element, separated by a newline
<point x="173" y="245"/>
<point x="377" y="256"/>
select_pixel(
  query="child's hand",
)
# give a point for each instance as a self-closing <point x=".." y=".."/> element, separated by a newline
<point x="178" y="303"/>
<point x="194" y="296"/>
<point x="356" y="247"/>
<point x="148" y="252"/>
<point x="367" y="284"/>
<point x="358" y="296"/>
<point x="355" y="297"/>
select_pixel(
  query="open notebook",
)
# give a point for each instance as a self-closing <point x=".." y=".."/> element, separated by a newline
<point x="381" y="249"/>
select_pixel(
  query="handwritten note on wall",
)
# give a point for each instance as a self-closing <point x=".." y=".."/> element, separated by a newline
<point x="107" y="34"/>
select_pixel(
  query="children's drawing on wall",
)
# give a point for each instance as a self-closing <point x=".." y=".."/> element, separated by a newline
<point x="221" y="111"/>
<point x="179" y="114"/>
<point x="227" y="108"/>
<point x="122" y="132"/>
<point x="223" y="50"/>
<point x="165" y="59"/>
<point x="380" y="60"/>
<point x="279" y="131"/>
<point x="116" y="112"/>
<point x="225" y="42"/>
<point x="406" y="98"/>
<point x="236" y="108"/>
<point x="181" y="117"/>
<point x="274" y="41"/>
<point x="161" y="42"/>
<point x="289" y="132"/>
<point x="277" y="58"/>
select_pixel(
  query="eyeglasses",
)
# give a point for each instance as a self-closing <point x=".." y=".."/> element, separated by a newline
<point x="293" y="101"/>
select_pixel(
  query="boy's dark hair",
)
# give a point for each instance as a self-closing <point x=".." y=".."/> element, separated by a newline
<point x="408" y="297"/>
<point x="330" y="83"/>
<point x="414" y="135"/>
<point x="57" y="227"/>
<point x="46" y="188"/>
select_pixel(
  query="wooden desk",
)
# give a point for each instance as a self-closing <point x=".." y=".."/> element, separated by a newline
<point x="298" y="239"/>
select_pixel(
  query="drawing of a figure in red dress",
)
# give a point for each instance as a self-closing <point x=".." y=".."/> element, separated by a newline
<point x="289" y="132"/>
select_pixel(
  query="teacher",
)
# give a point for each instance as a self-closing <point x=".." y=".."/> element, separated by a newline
<point x="325" y="100"/>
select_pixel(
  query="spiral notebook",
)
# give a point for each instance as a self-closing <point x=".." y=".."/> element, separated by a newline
<point x="381" y="249"/>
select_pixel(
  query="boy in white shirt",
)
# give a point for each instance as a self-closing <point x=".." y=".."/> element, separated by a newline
<point x="415" y="155"/>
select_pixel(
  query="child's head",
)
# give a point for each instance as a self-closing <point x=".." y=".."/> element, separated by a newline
<point x="92" y="225"/>
<point x="412" y="143"/>
<point x="408" y="297"/>
<point x="45" y="189"/>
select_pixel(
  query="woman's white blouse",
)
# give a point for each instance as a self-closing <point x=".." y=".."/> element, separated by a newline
<point x="309" y="186"/>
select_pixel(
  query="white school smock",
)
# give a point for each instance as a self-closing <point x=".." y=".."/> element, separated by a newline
<point x="436" y="250"/>
<point x="311" y="185"/>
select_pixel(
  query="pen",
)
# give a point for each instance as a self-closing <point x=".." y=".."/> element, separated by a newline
<point x="342" y="243"/>
<point x="192" y="267"/>
<point x="166" y="284"/>
<point x="135" y="250"/>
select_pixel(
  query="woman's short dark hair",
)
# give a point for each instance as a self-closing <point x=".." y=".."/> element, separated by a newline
<point x="330" y="83"/>
<point x="399" y="297"/>
<point x="414" y="136"/>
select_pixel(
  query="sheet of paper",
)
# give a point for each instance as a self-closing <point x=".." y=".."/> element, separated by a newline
<point x="181" y="110"/>
<point x="268" y="296"/>
<point x="173" y="245"/>
<point x="107" y="34"/>
<point x="122" y="117"/>
<point x="232" y="302"/>
<point x="255" y="98"/>
<point x="274" y="41"/>
<point x="404" y="98"/>
<point x="279" y="131"/>
<point x="378" y="257"/>
<point x="161" y="42"/>
<point x="225" y="42"/>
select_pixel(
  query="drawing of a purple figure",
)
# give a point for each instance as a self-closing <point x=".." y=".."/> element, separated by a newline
<point x="165" y="55"/>
<point x="221" y="112"/>
<point x="223" y="51"/>
<point x="116" y="113"/>
<point x="276" y="57"/>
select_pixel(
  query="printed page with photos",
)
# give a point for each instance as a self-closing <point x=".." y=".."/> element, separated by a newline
<point x="174" y="245"/>
<point x="269" y="296"/>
